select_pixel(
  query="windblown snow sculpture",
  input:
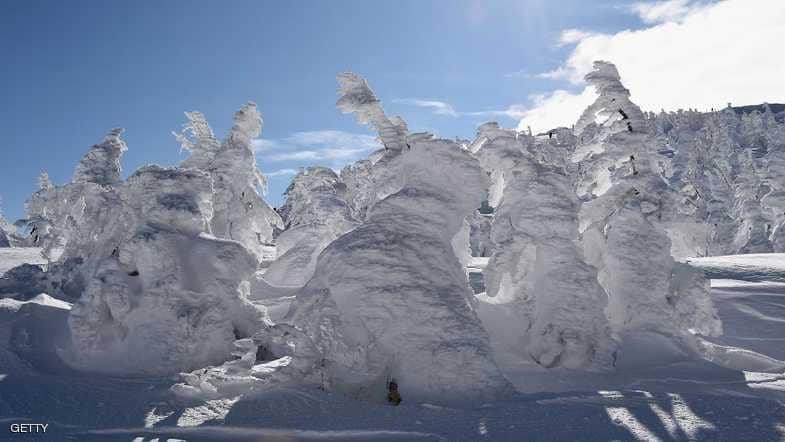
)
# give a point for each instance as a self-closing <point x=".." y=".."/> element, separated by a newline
<point x="165" y="297"/>
<point x="65" y="220"/>
<point x="390" y="298"/>
<point x="612" y="110"/>
<point x="537" y="278"/>
<point x="101" y="164"/>
<point x="157" y="294"/>
<point x="371" y="180"/>
<point x="240" y="212"/>
<point x="497" y="149"/>
<point x="623" y="231"/>
<point x="315" y="213"/>
<point x="774" y="201"/>
<point x="6" y="231"/>
<point x="723" y="163"/>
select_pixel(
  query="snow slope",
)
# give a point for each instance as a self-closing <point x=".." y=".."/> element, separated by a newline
<point x="677" y="401"/>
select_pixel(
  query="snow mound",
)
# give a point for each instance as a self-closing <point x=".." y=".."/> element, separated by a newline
<point x="390" y="298"/>
<point x="315" y="213"/>
<point x="162" y="276"/>
<point x="537" y="276"/>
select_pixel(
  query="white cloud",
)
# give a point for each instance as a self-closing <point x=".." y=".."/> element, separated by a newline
<point x="558" y="108"/>
<point x="662" y="11"/>
<point x="439" y="107"/>
<point x="704" y="57"/>
<point x="336" y="153"/>
<point x="281" y="172"/>
<point x="328" y="145"/>
<point x="516" y="111"/>
<point x="261" y="145"/>
<point x="571" y="36"/>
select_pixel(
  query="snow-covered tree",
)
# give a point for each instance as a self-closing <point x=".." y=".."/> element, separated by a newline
<point x="6" y="230"/>
<point x="390" y="298"/>
<point x="623" y="226"/>
<point x="375" y="178"/>
<point x="138" y="261"/>
<point x="101" y="164"/>
<point x="162" y="277"/>
<point x="542" y="299"/>
<point x="315" y="213"/>
<point x="240" y="212"/>
<point x="44" y="183"/>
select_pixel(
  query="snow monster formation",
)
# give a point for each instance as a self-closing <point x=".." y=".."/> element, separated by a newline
<point x="315" y="213"/>
<point x="371" y="180"/>
<point x="6" y="231"/>
<point x="543" y="300"/>
<point x="725" y="166"/>
<point x="623" y="223"/>
<point x="168" y="297"/>
<point x="155" y="292"/>
<point x="390" y="299"/>
<point x="239" y="211"/>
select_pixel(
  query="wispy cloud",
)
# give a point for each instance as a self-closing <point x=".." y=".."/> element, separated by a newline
<point x="261" y="145"/>
<point x="516" y="111"/>
<point x="443" y="108"/>
<point x="572" y="36"/>
<point x="518" y="74"/>
<point x="332" y="138"/>
<point x="694" y="64"/>
<point x="331" y="146"/>
<point x="281" y="172"/>
<point x="335" y="153"/>
<point x="438" y="107"/>
<point x="663" y="11"/>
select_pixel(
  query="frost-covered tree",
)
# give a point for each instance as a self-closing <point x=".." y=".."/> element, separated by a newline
<point x="623" y="228"/>
<point x="720" y="162"/>
<point x="375" y="178"/>
<point x="390" y="298"/>
<point x="314" y="214"/>
<point x="44" y="183"/>
<point x="153" y="291"/>
<point x="542" y="301"/>
<point x="6" y="230"/>
<point x="240" y="212"/>
<point x="64" y="220"/>
<point x="101" y="164"/>
<point x="164" y="278"/>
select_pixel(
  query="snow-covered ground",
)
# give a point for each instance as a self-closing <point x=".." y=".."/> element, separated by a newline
<point x="668" y="401"/>
<point x="758" y="267"/>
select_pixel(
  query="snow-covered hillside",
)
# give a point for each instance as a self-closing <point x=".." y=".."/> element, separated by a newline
<point x="599" y="275"/>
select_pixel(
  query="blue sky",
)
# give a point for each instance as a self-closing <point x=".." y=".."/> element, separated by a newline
<point x="73" y="70"/>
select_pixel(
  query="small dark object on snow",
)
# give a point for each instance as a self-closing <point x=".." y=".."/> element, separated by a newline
<point x="623" y="114"/>
<point x="134" y="273"/>
<point x="629" y="126"/>
<point x="393" y="396"/>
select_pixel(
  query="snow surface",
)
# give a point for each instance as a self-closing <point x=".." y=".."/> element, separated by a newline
<point x="673" y="401"/>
